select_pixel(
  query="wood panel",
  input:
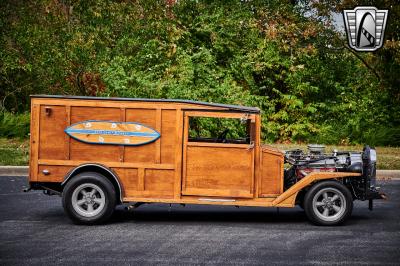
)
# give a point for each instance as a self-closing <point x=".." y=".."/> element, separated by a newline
<point x="159" y="181"/>
<point x="51" y="134"/>
<point x="89" y="152"/>
<point x="129" y="179"/>
<point x="55" y="173"/>
<point x="145" y="153"/>
<point x="271" y="183"/>
<point x="168" y="133"/>
<point x="210" y="172"/>
<point x="34" y="141"/>
<point x="178" y="154"/>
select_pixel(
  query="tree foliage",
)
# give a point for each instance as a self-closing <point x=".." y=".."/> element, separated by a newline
<point x="285" y="57"/>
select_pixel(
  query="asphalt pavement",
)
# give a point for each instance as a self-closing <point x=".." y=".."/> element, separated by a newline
<point x="35" y="231"/>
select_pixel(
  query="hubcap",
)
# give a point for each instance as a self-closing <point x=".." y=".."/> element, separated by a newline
<point x="329" y="204"/>
<point x="88" y="200"/>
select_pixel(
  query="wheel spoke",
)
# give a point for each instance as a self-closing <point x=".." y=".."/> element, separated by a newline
<point x="326" y="212"/>
<point x="83" y="192"/>
<point x="91" y="193"/>
<point x="335" y="197"/>
<point x="97" y="200"/>
<point x="336" y="208"/>
<point x="81" y="202"/>
<point x="90" y="207"/>
<point x="319" y="203"/>
<point x="325" y="195"/>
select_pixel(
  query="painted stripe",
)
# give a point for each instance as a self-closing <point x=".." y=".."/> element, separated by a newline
<point x="112" y="132"/>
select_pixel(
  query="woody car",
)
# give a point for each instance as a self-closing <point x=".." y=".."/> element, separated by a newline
<point x="101" y="152"/>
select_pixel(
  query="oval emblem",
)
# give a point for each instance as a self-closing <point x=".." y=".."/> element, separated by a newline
<point x="109" y="132"/>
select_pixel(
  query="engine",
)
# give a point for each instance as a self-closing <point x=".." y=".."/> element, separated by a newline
<point x="315" y="159"/>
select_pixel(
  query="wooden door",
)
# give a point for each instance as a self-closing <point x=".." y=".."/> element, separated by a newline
<point x="218" y="167"/>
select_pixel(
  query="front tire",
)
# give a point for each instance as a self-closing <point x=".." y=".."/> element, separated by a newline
<point x="89" y="198"/>
<point x="328" y="203"/>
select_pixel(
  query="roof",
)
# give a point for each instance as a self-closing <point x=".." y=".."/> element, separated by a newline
<point x="227" y="106"/>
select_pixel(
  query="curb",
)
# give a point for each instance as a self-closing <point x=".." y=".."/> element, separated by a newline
<point x="23" y="171"/>
<point x="14" y="170"/>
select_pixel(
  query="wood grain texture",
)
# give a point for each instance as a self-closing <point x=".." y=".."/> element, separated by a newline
<point x="56" y="173"/>
<point x="169" y="135"/>
<point x="34" y="141"/>
<point x="208" y="172"/>
<point x="271" y="174"/>
<point x="307" y="180"/>
<point x="88" y="152"/>
<point x="145" y="153"/>
<point x="51" y="133"/>
<point x="129" y="179"/>
<point x="178" y="153"/>
<point x="161" y="182"/>
<point x="171" y="169"/>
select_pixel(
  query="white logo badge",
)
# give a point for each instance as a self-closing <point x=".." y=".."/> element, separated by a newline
<point x="365" y="27"/>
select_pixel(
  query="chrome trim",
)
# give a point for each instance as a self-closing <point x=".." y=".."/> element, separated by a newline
<point x="217" y="200"/>
<point x="111" y="172"/>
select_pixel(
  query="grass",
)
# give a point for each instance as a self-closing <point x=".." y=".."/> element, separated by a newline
<point x="16" y="152"/>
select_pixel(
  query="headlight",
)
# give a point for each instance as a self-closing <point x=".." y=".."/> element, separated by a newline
<point x="372" y="155"/>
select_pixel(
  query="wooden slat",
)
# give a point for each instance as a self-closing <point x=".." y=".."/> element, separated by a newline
<point x="34" y="141"/>
<point x="168" y="136"/>
<point x="122" y="147"/>
<point x="67" y="137"/>
<point x="257" y="155"/>
<point x="158" y="142"/>
<point x="178" y="154"/>
<point x="108" y="164"/>
<point x="141" y="173"/>
<point x="184" y="152"/>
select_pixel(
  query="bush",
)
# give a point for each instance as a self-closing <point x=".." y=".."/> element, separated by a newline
<point x="14" y="125"/>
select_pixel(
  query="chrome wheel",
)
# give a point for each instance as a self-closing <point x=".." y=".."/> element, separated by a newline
<point x="329" y="204"/>
<point x="88" y="200"/>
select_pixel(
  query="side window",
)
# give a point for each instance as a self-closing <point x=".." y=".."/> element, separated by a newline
<point x="221" y="130"/>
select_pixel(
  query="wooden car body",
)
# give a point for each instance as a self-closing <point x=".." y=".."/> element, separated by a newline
<point x="170" y="167"/>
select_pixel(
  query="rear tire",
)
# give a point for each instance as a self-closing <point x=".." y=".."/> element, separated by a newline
<point x="328" y="203"/>
<point x="89" y="198"/>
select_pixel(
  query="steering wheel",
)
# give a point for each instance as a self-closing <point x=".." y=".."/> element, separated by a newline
<point x="222" y="137"/>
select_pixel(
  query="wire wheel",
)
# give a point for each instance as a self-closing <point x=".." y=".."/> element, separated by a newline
<point x="329" y="204"/>
<point x="88" y="200"/>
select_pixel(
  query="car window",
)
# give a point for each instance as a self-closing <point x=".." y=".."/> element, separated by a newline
<point x="220" y="130"/>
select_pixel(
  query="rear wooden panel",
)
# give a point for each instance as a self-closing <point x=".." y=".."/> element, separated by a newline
<point x="51" y="133"/>
<point x="80" y="151"/>
<point x="55" y="173"/>
<point x="271" y="183"/>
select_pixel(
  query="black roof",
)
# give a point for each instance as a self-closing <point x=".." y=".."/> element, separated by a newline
<point x="227" y="106"/>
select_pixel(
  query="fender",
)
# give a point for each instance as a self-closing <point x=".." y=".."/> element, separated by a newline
<point x="95" y="165"/>
<point x="287" y="199"/>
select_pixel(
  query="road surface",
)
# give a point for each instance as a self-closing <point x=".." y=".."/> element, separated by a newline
<point x="35" y="231"/>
